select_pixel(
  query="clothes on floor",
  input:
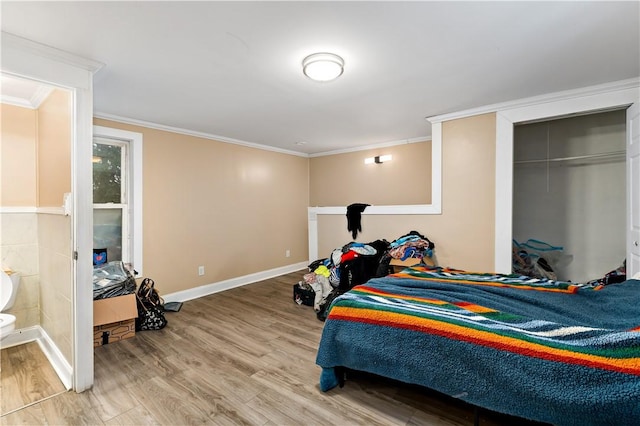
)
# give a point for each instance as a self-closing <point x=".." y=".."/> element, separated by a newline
<point x="321" y="287"/>
<point x="355" y="263"/>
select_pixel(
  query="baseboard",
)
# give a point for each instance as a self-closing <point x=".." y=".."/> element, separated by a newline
<point x="48" y="347"/>
<point x="207" y="289"/>
<point x="57" y="360"/>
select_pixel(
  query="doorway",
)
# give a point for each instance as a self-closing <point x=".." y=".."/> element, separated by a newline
<point x="37" y="239"/>
<point x="33" y="61"/>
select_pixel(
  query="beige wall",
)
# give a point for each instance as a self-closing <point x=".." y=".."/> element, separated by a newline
<point x="236" y="210"/>
<point x="343" y="179"/>
<point x="232" y="209"/>
<point x="19" y="231"/>
<point x="464" y="232"/>
<point x="18" y="156"/>
<point x="54" y="148"/>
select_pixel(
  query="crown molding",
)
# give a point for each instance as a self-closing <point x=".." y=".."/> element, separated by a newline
<point x="542" y="99"/>
<point x="536" y="100"/>
<point x="49" y="52"/>
<point x="39" y="96"/>
<point x="217" y="138"/>
<point x="372" y="146"/>
<point x="151" y="125"/>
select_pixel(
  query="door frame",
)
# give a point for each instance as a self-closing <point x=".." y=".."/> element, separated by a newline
<point x="30" y="60"/>
<point x="633" y="190"/>
<point x="544" y="108"/>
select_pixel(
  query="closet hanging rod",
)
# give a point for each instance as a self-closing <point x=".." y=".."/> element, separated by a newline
<point x="579" y="157"/>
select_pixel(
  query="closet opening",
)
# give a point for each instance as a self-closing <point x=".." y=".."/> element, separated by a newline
<point x="569" y="196"/>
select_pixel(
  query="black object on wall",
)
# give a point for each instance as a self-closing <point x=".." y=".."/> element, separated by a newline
<point x="354" y="216"/>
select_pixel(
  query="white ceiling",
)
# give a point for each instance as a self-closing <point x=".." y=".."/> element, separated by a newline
<point x="233" y="69"/>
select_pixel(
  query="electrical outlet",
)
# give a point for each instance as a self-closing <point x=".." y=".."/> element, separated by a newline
<point x="287" y="253"/>
<point x="200" y="270"/>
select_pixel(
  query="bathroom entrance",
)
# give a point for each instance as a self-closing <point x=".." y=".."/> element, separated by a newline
<point x="45" y="206"/>
<point x="37" y="240"/>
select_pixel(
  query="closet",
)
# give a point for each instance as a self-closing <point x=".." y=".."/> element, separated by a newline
<point x="569" y="190"/>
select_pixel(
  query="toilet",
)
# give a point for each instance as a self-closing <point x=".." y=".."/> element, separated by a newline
<point x="8" y="291"/>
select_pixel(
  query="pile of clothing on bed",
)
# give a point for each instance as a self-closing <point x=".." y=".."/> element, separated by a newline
<point x="413" y="245"/>
<point x="354" y="264"/>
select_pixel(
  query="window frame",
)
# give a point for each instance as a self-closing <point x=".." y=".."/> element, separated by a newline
<point x="131" y="192"/>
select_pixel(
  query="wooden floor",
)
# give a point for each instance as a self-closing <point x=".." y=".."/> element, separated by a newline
<point x="243" y="356"/>
<point x="26" y="377"/>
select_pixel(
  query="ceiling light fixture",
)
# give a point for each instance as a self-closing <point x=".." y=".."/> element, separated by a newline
<point x="323" y="66"/>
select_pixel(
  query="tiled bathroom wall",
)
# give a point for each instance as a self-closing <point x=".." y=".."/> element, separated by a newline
<point x="19" y="248"/>
<point x="56" y="279"/>
<point x="38" y="247"/>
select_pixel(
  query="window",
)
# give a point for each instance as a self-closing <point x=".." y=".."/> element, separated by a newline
<point x="110" y="201"/>
<point x="117" y="196"/>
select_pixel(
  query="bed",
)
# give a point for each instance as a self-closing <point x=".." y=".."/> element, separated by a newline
<point x="549" y="351"/>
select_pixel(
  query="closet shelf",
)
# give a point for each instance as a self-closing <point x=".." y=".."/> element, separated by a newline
<point x="579" y="157"/>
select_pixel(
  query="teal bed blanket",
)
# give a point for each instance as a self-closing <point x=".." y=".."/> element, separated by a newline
<point x="555" y="352"/>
